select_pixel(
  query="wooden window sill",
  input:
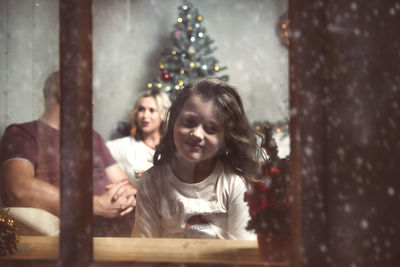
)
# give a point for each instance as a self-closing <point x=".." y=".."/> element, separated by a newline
<point x="107" y="249"/>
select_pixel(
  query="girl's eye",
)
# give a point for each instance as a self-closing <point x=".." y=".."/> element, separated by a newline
<point x="211" y="129"/>
<point x="152" y="110"/>
<point x="141" y="109"/>
<point x="189" y="122"/>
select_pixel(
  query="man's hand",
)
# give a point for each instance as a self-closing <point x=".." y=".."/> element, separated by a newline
<point x="119" y="200"/>
<point x="124" y="193"/>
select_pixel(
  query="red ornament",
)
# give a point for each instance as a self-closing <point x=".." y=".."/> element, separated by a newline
<point x="165" y="77"/>
<point x="177" y="35"/>
<point x="273" y="172"/>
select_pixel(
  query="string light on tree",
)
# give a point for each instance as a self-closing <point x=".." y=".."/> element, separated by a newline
<point x="283" y="30"/>
<point x="277" y="127"/>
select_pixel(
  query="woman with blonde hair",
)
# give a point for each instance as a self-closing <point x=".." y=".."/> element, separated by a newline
<point x="135" y="153"/>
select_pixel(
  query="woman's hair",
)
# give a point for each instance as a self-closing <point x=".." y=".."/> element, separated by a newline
<point x="241" y="151"/>
<point x="163" y="104"/>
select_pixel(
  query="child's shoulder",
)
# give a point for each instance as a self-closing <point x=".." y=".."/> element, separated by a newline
<point x="229" y="175"/>
<point x="155" y="173"/>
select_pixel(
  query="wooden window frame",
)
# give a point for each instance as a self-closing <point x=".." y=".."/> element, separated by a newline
<point x="315" y="89"/>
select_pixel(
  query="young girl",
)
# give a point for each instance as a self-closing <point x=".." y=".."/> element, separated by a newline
<point x="135" y="153"/>
<point x="202" y="165"/>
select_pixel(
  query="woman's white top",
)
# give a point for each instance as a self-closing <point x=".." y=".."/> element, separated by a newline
<point x="132" y="155"/>
<point x="213" y="208"/>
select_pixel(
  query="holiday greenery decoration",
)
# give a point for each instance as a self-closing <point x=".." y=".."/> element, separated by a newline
<point x="188" y="56"/>
<point x="267" y="199"/>
<point x="8" y="235"/>
<point x="276" y="127"/>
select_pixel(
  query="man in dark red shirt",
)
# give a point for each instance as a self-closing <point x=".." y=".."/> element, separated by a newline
<point x="30" y="163"/>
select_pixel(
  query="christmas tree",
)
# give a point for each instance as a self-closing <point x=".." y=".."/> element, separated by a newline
<point x="188" y="56"/>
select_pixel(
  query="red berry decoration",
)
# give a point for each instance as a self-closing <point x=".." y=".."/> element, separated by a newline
<point x="267" y="199"/>
<point x="275" y="172"/>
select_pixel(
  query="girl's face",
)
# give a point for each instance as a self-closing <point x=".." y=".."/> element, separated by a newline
<point x="198" y="130"/>
<point x="148" y="116"/>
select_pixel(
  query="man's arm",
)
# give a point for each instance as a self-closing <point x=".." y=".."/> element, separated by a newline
<point x="116" y="174"/>
<point x="20" y="187"/>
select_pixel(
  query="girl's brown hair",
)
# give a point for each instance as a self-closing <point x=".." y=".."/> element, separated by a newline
<point x="241" y="152"/>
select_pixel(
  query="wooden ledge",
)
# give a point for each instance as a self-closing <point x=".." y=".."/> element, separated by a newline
<point x="110" y="249"/>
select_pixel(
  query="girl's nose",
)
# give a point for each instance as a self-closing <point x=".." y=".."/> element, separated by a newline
<point x="198" y="132"/>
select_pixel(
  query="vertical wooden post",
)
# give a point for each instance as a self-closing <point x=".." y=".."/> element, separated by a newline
<point x="76" y="245"/>
<point x="308" y="120"/>
<point x="345" y="97"/>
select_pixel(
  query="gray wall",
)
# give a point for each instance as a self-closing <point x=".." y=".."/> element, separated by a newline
<point x="128" y="37"/>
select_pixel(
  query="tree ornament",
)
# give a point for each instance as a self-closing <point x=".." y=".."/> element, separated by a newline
<point x="165" y="77"/>
<point x="177" y="35"/>
<point x="8" y="235"/>
<point x="199" y="18"/>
